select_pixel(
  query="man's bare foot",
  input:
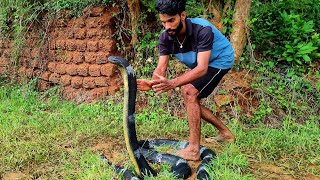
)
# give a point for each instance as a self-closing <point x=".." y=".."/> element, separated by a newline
<point x="189" y="154"/>
<point x="222" y="137"/>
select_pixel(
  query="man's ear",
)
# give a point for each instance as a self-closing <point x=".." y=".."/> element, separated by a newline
<point x="183" y="15"/>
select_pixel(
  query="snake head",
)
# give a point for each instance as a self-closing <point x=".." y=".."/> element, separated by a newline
<point x="118" y="61"/>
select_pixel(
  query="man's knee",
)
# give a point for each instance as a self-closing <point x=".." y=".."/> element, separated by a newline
<point x="190" y="92"/>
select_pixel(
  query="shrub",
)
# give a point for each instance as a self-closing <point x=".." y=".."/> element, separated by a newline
<point x="287" y="31"/>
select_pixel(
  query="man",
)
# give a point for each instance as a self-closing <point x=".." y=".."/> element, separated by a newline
<point x="209" y="55"/>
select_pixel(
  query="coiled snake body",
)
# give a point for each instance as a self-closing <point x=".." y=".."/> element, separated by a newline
<point x="142" y="151"/>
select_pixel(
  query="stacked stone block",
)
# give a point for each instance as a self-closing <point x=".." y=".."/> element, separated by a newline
<point x="75" y="56"/>
<point x="78" y="56"/>
<point x="5" y="51"/>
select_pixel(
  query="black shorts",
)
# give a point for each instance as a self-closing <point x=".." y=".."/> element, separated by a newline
<point x="206" y="84"/>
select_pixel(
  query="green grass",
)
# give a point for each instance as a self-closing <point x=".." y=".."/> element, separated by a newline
<point x="45" y="137"/>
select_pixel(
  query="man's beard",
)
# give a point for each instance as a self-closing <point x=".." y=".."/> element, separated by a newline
<point x="175" y="32"/>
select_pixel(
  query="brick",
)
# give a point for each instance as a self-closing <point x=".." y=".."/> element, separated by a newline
<point x="101" y="81"/>
<point x="35" y="64"/>
<point x="92" y="22"/>
<point x="80" y="33"/>
<point x="43" y="85"/>
<point x="107" y="45"/>
<point x="70" y="93"/>
<point x="76" y="81"/>
<point x="36" y="73"/>
<point x="71" y="45"/>
<point x="65" y="80"/>
<point x="113" y="89"/>
<point x="94" y="70"/>
<point x="52" y="66"/>
<point x="66" y="57"/>
<point x="92" y="33"/>
<point x="105" y="33"/>
<point x="105" y="21"/>
<point x="35" y="53"/>
<point x="61" y="56"/>
<point x="83" y="69"/>
<point x="88" y="82"/>
<point x="115" y="80"/>
<point x="97" y="93"/>
<point x="4" y="62"/>
<point x="90" y="57"/>
<point x="45" y="76"/>
<point x="22" y="71"/>
<point x="72" y="69"/>
<point x="61" y="68"/>
<point x="54" y="78"/>
<point x="102" y="58"/>
<point x="81" y="45"/>
<point x="93" y="46"/>
<point x="70" y="34"/>
<point x="60" y="44"/>
<point x="78" y="22"/>
<point x="78" y="57"/>
<point x="108" y="69"/>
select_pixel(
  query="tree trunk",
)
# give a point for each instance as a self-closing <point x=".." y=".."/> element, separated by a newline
<point x="215" y="7"/>
<point x="238" y="37"/>
<point x="134" y="8"/>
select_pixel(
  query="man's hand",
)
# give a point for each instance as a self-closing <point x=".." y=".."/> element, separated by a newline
<point x="144" y="84"/>
<point x="162" y="84"/>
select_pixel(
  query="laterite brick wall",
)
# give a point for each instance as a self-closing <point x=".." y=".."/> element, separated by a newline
<point x="75" y="56"/>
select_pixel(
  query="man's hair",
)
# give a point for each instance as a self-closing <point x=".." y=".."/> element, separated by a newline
<point x="171" y="7"/>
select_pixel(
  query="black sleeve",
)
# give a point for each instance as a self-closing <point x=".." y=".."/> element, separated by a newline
<point x="205" y="39"/>
<point x="163" y="44"/>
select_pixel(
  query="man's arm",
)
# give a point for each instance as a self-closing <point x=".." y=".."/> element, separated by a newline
<point x="162" y="84"/>
<point x="162" y="66"/>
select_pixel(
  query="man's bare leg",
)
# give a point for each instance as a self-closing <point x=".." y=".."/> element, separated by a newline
<point x="224" y="133"/>
<point x="192" y="151"/>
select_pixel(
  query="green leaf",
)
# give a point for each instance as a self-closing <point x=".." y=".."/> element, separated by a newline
<point x="290" y="73"/>
<point x="298" y="61"/>
<point x="289" y="59"/>
<point x="306" y="58"/>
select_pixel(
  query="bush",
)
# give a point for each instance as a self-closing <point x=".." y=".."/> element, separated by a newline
<point x="287" y="31"/>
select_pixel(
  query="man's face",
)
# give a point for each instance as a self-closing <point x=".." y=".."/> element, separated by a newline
<point x="172" y="24"/>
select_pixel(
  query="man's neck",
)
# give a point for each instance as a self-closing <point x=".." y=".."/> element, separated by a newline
<point x="183" y="31"/>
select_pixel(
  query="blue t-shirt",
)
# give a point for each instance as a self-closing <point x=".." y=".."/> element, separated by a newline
<point x="201" y="36"/>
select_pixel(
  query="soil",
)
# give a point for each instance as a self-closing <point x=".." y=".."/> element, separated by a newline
<point x="15" y="176"/>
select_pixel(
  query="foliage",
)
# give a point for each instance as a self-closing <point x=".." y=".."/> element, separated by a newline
<point x="285" y="94"/>
<point x="146" y="54"/>
<point x="227" y="22"/>
<point x="193" y="8"/>
<point x="286" y="30"/>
